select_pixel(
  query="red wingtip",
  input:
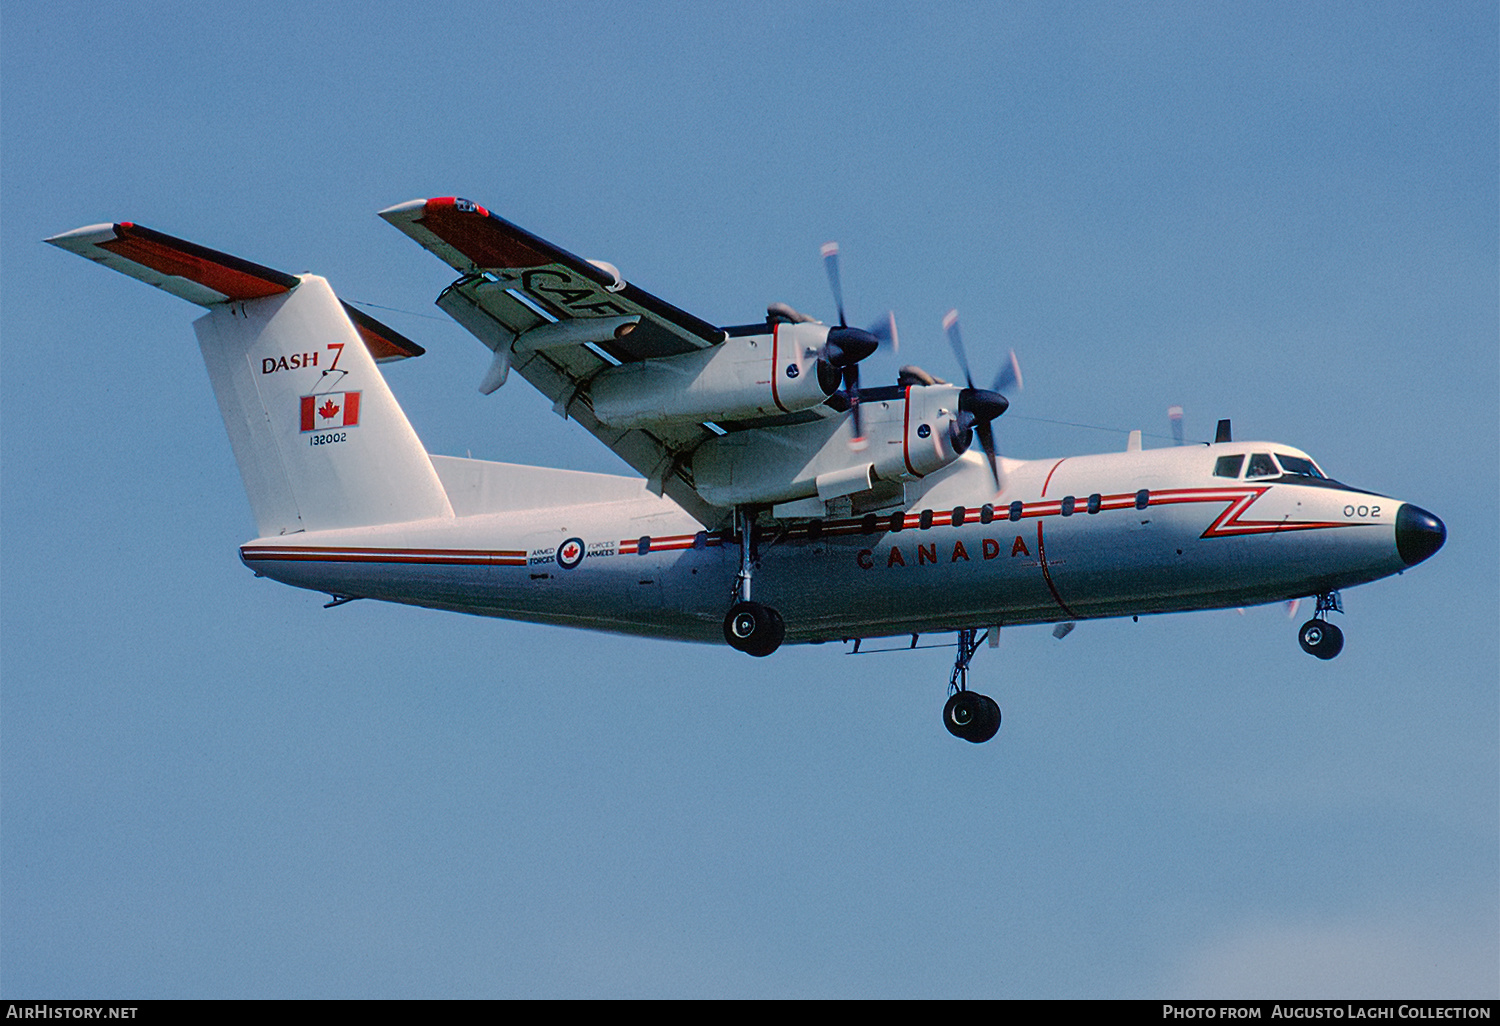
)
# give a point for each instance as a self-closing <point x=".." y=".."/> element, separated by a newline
<point x="477" y="234"/>
<point x="459" y="204"/>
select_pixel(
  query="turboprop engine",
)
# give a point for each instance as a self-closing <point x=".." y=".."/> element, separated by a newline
<point x="790" y="367"/>
<point x="912" y="432"/>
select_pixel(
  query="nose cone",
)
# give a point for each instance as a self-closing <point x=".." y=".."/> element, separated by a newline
<point x="1418" y="533"/>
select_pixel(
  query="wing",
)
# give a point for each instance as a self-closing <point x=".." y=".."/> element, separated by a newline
<point x="559" y="320"/>
<point x="207" y="277"/>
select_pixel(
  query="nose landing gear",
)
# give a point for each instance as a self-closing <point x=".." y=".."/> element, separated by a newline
<point x="1317" y="636"/>
<point x="967" y="714"/>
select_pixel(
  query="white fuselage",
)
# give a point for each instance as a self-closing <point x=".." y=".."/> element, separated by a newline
<point x="567" y="548"/>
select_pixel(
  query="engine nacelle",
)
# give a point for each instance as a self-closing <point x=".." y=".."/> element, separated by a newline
<point x="908" y="437"/>
<point x="930" y="439"/>
<point x="745" y="376"/>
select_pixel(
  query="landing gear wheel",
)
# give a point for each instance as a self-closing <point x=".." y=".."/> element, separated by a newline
<point x="1321" y="638"/>
<point x="754" y="628"/>
<point x="971" y="716"/>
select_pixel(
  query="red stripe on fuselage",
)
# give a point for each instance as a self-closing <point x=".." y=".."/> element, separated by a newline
<point x="350" y="554"/>
<point x="1228" y="523"/>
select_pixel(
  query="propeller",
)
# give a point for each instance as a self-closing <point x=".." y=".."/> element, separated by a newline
<point x="1174" y="414"/>
<point x="847" y="346"/>
<point x="978" y="407"/>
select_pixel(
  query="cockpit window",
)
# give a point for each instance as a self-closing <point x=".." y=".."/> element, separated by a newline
<point x="1299" y="466"/>
<point x="1229" y="466"/>
<point x="1261" y="465"/>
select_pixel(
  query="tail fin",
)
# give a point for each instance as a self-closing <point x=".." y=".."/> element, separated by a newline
<point x="319" y="438"/>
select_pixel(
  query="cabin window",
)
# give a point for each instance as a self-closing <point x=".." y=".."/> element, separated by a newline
<point x="643" y="546"/>
<point x="925" y="520"/>
<point x="1067" y="505"/>
<point x="1143" y="498"/>
<point x="1015" y="510"/>
<point x="1229" y="466"/>
<point x="1261" y="465"/>
<point x="986" y="513"/>
<point x="1299" y="466"/>
<point x="1095" y="501"/>
<point x="959" y="513"/>
<point x="870" y="524"/>
<point x="898" y="521"/>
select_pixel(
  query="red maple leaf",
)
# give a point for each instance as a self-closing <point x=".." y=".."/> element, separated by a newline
<point x="327" y="410"/>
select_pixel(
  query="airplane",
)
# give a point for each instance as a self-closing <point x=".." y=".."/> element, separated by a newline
<point x="777" y="502"/>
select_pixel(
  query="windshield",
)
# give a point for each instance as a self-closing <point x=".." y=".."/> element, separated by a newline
<point x="1299" y="466"/>
<point x="1261" y="465"/>
<point x="1229" y="466"/>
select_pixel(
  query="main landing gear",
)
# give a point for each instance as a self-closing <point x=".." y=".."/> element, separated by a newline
<point x="751" y="627"/>
<point x="969" y="715"/>
<point x="1317" y="636"/>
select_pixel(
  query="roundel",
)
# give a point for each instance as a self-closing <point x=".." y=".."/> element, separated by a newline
<point x="792" y="370"/>
<point x="570" y="553"/>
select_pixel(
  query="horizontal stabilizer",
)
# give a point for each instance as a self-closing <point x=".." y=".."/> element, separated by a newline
<point x="207" y="277"/>
<point x="186" y="270"/>
<point x="384" y="343"/>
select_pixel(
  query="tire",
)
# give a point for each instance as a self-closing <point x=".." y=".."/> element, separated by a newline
<point x="1321" y="638"/>
<point x="753" y="628"/>
<point x="1333" y="642"/>
<point x="992" y="720"/>
<point x="1310" y="636"/>
<point x="972" y="717"/>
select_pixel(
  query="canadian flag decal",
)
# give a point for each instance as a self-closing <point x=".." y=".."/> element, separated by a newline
<point x="330" y="410"/>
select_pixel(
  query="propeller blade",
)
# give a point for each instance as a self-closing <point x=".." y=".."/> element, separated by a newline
<point x="1009" y="377"/>
<point x="1174" y="414"/>
<point x="986" y="435"/>
<point x="851" y="388"/>
<point x="956" y="340"/>
<point x="884" y="331"/>
<point x="831" y="263"/>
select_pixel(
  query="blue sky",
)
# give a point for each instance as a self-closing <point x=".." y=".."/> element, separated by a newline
<point x="1281" y="213"/>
